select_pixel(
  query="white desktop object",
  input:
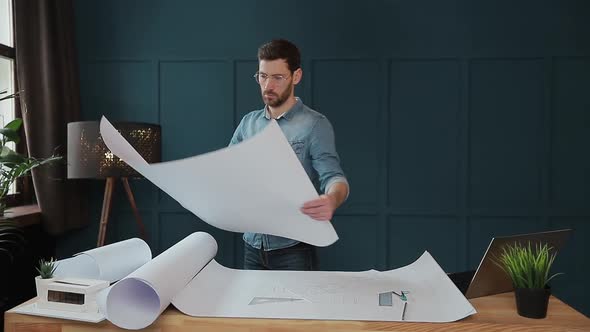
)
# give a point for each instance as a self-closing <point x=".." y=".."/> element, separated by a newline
<point x="71" y="294"/>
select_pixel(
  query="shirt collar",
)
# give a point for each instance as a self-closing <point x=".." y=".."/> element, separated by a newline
<point x="288" y="115"/>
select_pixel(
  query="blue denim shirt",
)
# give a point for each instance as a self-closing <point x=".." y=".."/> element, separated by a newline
<point x="312" y="138"/>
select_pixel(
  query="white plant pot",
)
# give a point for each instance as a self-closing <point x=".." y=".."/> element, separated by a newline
<point x="41" y="285"/>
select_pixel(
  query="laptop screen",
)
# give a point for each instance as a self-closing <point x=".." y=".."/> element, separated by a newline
<point x="491" y="279"/>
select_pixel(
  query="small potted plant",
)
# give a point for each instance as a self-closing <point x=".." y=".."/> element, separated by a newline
<point x="46" y="269"/>
<point x="528" y="267"/>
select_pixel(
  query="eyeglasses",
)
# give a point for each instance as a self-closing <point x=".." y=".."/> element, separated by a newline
<point x="278" y="79"/>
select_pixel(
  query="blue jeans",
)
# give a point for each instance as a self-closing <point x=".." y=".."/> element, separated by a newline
<point x="300" y="257"/>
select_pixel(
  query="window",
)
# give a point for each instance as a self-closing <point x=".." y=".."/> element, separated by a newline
<point x="7" y="66"/>
<point x="6" y="62"/>
<point x="6" y="19"/>
<point x="6" y="88"/>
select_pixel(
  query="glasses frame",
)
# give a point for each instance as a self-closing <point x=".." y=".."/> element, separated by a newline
<point x="278" y="79"/>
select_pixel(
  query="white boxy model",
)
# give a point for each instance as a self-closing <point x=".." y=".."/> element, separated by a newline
<point x="71" y="294"/>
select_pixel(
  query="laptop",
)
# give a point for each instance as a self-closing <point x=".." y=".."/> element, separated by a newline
<point x="489" y="278"/>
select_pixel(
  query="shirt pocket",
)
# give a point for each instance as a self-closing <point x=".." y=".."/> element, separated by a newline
<point x="299" y="148"/>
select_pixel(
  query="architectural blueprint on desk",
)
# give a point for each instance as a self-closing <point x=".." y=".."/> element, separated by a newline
<point x="187" y="276"/>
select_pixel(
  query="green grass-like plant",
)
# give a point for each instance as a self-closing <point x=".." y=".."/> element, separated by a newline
<point x="528" y="266"/>
<point x="46" y="268"/>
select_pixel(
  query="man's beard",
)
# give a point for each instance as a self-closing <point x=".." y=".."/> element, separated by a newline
<point x="278" y="99"/>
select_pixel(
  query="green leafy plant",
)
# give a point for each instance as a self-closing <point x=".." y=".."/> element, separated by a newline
<point x="528" y="266"/>
<point x="46" y="268"/>
<point x="13" y="164"/>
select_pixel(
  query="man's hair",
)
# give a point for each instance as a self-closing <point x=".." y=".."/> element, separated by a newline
<point x="281" y="49"/>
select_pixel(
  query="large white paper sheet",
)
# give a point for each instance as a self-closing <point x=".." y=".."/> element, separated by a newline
<point x="221" y="292"/>
<point x="256" y="186"/>
<point x="433" y="295"/>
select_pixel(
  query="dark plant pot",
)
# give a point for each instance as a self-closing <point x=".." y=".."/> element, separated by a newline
<point x="532" y="302"/>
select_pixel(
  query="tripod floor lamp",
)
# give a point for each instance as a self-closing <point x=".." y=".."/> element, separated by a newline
<point x="89" y="158"/>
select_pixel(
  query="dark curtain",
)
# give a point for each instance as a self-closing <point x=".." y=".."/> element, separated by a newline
<point x="47" y="74"/>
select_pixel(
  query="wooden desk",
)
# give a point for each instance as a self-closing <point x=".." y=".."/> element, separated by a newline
<point x="495" y="313"/>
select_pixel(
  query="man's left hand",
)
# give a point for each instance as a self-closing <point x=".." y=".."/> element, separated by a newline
<point x="321" y="208"/>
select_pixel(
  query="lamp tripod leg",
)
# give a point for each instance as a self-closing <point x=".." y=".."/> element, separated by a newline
<point x="106" y="210"/>
<point x="134" y="208"/>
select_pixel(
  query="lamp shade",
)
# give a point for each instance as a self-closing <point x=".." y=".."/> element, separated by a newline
<point x="88" y="156"/>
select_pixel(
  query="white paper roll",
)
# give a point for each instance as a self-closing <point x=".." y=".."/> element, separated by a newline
<point x="137" y="300"/>
<point x="111" y="262"/>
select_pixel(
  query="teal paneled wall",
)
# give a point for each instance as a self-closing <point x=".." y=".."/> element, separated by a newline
<point x="456" y="121"/>
<point x="424" y="146"/>
<point x="506" y="125"/>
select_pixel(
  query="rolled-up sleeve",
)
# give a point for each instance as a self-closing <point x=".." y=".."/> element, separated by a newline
<point x="324" y="158"/>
